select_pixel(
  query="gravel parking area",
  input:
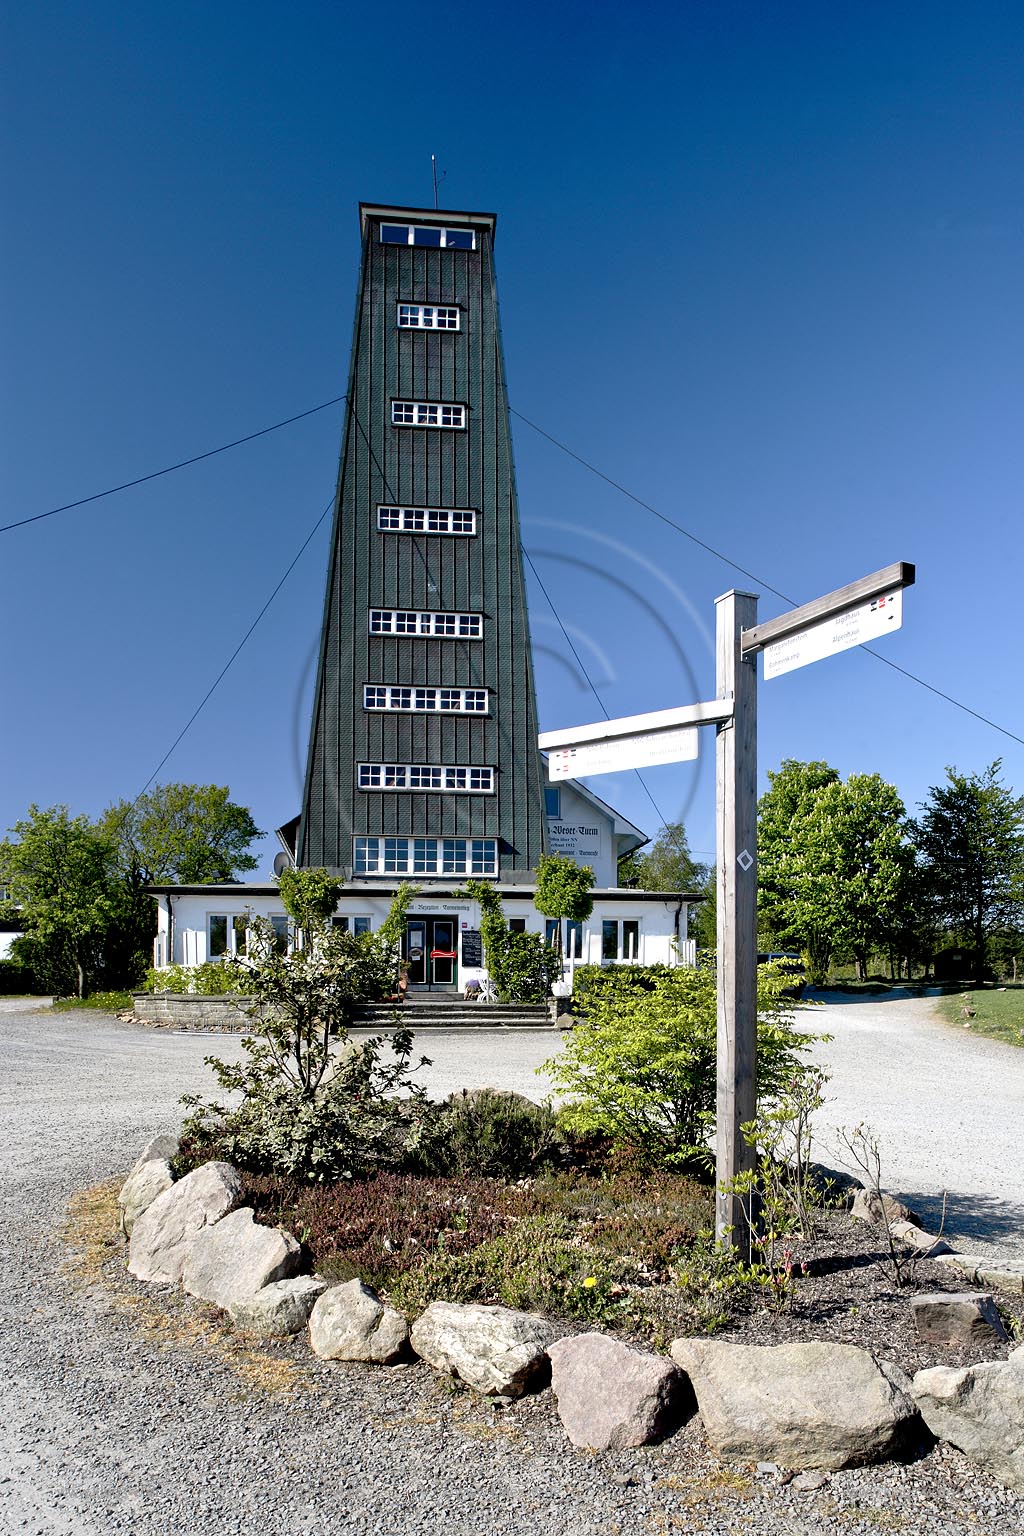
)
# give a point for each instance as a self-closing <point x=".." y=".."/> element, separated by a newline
<point x="112" y="1420"/>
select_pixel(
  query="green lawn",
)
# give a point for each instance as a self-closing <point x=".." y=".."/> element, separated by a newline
<point x="998" y="1012"/>
<point x="104" y="1002"/>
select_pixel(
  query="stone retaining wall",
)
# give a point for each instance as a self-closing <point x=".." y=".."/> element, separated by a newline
<point x="181" y="1010"/>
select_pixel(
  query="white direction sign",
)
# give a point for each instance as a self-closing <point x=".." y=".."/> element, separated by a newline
<point x="840" y="633"/>
<point x="642" y="751"/>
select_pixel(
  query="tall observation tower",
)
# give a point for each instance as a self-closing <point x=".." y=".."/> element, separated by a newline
<point x="423" y="758"/>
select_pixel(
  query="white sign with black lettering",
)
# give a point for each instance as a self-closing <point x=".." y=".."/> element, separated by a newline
<point x="843" y="632"/>
<point x="612" y="756"/>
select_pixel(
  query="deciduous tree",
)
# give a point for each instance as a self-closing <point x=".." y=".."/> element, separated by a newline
<point x="971" y="837"/>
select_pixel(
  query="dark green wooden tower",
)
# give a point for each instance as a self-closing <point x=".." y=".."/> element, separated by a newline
<point x="423" y="756"/>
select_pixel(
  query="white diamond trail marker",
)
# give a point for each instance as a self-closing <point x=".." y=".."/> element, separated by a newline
<point x="841" y="633"/>
<point x="644" y="751"/>
<point x="744" y="860"/>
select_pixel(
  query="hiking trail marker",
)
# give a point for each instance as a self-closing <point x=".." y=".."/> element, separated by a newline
<point x="861" y="611"/>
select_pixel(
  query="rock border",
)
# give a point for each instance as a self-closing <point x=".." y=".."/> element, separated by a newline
<point x="769" y="1403"/>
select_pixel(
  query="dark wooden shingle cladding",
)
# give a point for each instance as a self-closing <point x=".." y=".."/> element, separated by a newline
<point x="425" y="467"/>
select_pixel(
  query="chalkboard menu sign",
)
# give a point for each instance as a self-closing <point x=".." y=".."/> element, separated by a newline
<point x="472" y="947"/>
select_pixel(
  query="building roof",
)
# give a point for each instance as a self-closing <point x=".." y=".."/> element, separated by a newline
<point x="441" y="216"/>
<point x="240" y="889"/>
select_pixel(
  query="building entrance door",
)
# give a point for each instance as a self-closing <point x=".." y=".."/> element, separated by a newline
<point x="430" y="952"/>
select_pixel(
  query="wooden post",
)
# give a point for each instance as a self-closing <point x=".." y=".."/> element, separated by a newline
<point x="736" y="814"/>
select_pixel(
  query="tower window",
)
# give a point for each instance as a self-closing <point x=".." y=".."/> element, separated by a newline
<point x="425" y="413"/>
<point x="425" y="856"/>
<point x="447" y="778"/>
<point x="425" y="520"/>
<point x="428" y="234"/>
<point x="428" y="317"/>
<point x="402" y="621"/>
<point x="459" y="701"/>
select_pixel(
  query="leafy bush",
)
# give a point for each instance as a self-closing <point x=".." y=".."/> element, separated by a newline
<point x="596" y="984"/>
<point x="643" y="1068"/>
<point x="103" y="1002"/>
<point x="17" y="979"/>
<point x="492" y="1134"/>
<point x="521" y="965"/>
<point x="312" y="1105"/>
<point x="214" y="979"/>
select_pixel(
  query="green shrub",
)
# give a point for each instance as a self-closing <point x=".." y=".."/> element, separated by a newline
<point x="490" y="1134"/>
<point x="311" y="1104"/>
<point x="643" y="1067"/>
<point x="17" y="979"/>
<point x="214" y="979"/>
<point x="103" y="1002"/>
<point x="596" y="984"/>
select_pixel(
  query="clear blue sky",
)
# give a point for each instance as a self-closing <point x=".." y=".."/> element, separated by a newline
<point x="760" y="263"/>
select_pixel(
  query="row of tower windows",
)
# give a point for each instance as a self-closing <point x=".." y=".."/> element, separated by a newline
<point x="403" y="700"/>
<point x="427" y="776"/>
<point x="427" y="413"/>
<point x="402" y="621"/>
<point x="428" y="234"/>
<point x="426" y="856"/>
<point x="425" y="520"/>
<point x="428" y="317"/>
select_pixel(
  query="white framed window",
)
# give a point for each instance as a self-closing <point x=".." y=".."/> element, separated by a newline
<point x="620" y="940"/>
<point x="447" y="778"/>
<point x="427" y="413"/>
<point x="404" y="700"/>
<point x="356" y="925"/>
<point x="428" y="317"/>
<point x="225" y="934"/>
<point x="428" y="234"/>
<point x="448" y="520"/>
<point x="425" y="856"/>
<point x="404" y="621"/>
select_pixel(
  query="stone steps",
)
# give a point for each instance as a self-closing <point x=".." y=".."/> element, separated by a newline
<point x="442" y="1013"/>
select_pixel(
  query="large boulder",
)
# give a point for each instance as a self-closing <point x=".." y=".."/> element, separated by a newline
<point x="980" y="1410"/>
<point x="164" y="1146"/>
<point x="165" y="1231"/>
<point x="966" y="1319"/>
<point x="799" y="1405"/>
<point x="871" y="1206"/>
<point x="492" y="1349"/>
<point x="142" y="1186"/>
<point x="612" y="1397"/>
<point x="278" y="1309"/>
<point x="349" y="1322"/>
<point x="236" y="1257"/>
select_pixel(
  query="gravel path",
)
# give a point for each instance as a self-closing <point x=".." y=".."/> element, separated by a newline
<point x="113" y="1419"/>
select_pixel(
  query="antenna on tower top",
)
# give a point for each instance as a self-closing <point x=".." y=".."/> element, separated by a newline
<point x="433" y="167"/>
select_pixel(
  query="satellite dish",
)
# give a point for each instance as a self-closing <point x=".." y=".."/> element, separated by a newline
<point x="281" y="862"/>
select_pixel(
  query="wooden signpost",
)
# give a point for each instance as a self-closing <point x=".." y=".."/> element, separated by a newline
<point x="849" y="616"/>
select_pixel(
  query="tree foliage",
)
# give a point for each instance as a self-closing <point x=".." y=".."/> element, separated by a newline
<point x="563" y="891"/>
<point x="183" y="834"/>
<point x="309" y="896"/>
<point x="970" y="835"/>
<point x="667" y="865"/>
<point x="58" y="869"/>
<point x="834" y="861"/>
<point x="643" y="1070"/>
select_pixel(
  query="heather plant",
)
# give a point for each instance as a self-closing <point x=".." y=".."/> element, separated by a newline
<point x="540" y="1265"/>
<point x="642" y="1068"/>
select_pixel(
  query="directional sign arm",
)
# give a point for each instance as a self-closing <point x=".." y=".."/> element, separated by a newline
<point x="714" y="712"/>
<point x="891" y="577"/>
